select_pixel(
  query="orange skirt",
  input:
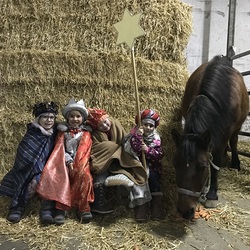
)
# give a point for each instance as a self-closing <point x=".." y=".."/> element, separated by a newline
<point x="69" y="190"/>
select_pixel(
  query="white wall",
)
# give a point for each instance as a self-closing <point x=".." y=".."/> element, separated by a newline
<point x="209" y="37"/>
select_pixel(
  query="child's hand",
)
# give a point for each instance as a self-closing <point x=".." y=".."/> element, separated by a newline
<point x="140" y="130"/>
<point x="71" y="166"/>
<point x="144" y="147"/>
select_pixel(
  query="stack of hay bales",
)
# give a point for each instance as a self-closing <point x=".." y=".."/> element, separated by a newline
<point x="56" y="50"/>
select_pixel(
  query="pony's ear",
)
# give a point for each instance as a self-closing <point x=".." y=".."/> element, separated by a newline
<point x="206" y="139"/>
<point x="176" y="137"/>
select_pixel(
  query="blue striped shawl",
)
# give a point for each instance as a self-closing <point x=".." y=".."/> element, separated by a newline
<point x="32" y="153"/>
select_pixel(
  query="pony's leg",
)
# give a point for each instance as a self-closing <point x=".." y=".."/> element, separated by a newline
<point x="212" y="193"/>
<point x="212" y="196"/>
<point x="235" y="162"/>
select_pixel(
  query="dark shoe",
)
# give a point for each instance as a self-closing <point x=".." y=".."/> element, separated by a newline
<point x="123" y="195"/>
<point x="15" y="216"/>
<point x="47" y="211"/>
<point x="46" y="217"/>
<point x="101" y="204"/>
<point x="141" y="213"/>
<point x="59" y="218"/>
<point x="102" y="209"/>
<point x="157" y="208"/>
<point x="84" y="217"/>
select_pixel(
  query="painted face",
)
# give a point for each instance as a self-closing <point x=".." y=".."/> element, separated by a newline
<point x="47" y="120"/>
<point x="75" y="119"/>
<point x="104" y="126"/>
<point x="148" y="128"/>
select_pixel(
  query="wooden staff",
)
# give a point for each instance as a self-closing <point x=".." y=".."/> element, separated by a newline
<point x="129" y="29"/>
<point x="137" y="100"/>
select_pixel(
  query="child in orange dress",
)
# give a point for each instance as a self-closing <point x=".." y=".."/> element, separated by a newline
<point x="66" y="178"/>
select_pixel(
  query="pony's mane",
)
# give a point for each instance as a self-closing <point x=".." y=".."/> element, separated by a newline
<point x="202" y="113"/>
<point x="210" y="109"/>
<point x="189" y="146"/>
<point x="216" y="82"/>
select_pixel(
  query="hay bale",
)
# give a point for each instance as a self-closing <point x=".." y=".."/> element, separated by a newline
<point x="87" y="26"/>
<point x="55" y="51"/>
<point x="58" y="50"/>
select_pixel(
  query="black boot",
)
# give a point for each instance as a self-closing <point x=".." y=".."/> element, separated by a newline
<point x="122" y="195"/>
<point x="101" y="204"/>
<point x="84" y="217"/>
<point x="47" y="212"/>
<point x="157" y="208"/>
<point x="15" y="214"/>
<point x="142" y="212"/>
<point x="59" y="218"/>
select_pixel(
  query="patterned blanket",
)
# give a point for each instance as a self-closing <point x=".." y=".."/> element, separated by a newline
<point x="31" y="156"/>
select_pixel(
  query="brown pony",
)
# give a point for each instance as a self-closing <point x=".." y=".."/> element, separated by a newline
<point x="214" y="106"/>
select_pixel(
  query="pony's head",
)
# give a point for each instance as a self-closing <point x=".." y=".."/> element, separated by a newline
<point x="192" y="167"/>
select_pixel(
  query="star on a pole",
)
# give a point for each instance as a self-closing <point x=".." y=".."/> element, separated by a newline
<point x="129" y="29"/>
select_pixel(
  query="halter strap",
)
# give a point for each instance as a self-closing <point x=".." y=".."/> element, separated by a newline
<point x="188" y="192"/>
<point x="202" y="194"/>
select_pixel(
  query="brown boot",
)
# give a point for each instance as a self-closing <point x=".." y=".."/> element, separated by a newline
<point x="157" y="207"/>
<point x="141" y="213"/>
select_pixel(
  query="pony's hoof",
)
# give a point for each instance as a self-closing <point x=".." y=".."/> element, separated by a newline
<point x="211" y="203"/>
<point x="234" y="168"/>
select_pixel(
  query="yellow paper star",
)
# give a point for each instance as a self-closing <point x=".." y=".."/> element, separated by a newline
<point x="129" y="28"/>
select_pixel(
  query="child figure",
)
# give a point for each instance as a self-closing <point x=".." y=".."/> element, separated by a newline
<point x="32" y="153"/>
<point x="147" y="140"/>
<point x="110" y="164"/>
<point x="66" y="178"/>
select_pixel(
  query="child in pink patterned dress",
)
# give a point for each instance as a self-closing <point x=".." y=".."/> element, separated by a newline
<point x="146" y="140"/>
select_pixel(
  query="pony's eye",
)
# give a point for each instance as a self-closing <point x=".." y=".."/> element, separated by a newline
<point x="203" y="166"/>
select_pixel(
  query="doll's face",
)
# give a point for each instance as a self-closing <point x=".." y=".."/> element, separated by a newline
<point x="75" y="119"/>
<point x="104" y="125"/>
<point x="47" y="120"/>
<point x="148" y="128"/>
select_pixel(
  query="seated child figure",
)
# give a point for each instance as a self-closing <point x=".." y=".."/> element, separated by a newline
<point x="66" y="178"/>
<point x="147" y="140"/>
<point x="110" y="164"/>
<point x="32" y="154"/>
